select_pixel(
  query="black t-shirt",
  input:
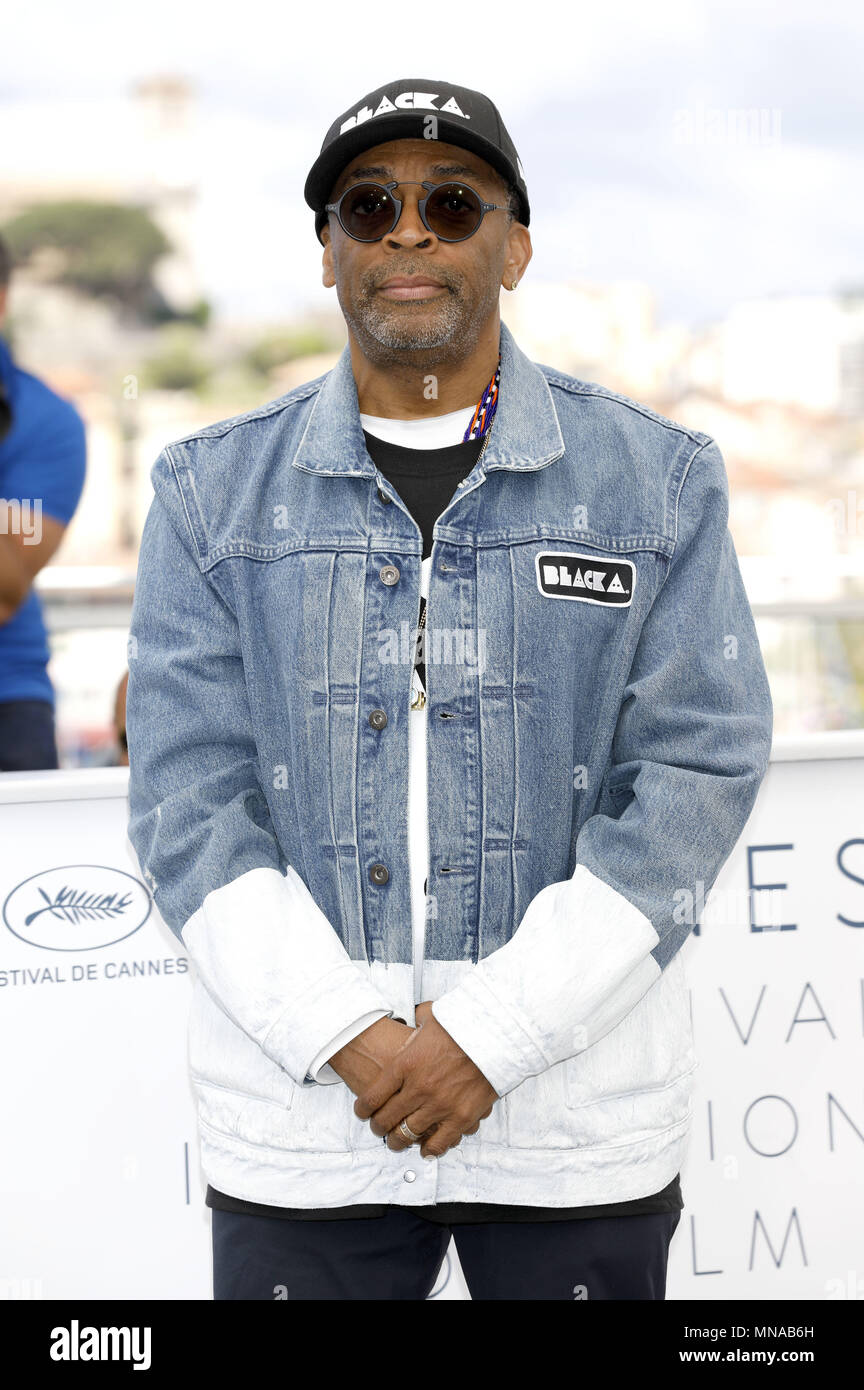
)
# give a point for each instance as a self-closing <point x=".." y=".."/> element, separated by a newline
<point x="425" y="480"/>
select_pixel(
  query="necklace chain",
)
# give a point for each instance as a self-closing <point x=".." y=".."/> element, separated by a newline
<point x="480" y="427"/>
<point x="484" y="412"/>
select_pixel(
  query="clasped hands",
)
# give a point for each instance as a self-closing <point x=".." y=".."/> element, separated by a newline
<point x="419" y="1075"/>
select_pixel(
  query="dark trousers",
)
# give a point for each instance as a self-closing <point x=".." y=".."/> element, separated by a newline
<point x="27" y="736"/>
<point x="399" y="1256"/>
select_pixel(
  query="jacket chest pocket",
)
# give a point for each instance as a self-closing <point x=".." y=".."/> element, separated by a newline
<point x="578" y="612"/>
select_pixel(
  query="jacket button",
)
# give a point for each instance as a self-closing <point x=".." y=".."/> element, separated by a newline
<point x="378" y="719"/>
<point x="389" y="574"/>
<point x="384" y="496"/>
<point x="409" y="1175"/>
<point x="379" y="873"/>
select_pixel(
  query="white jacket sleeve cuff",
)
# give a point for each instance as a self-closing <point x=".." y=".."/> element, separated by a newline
<point x="579" y="961"/>
<point x="319" y="1070"/>
<point x="272" y="960"/>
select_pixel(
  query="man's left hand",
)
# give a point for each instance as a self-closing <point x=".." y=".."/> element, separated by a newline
<point x="433" y="1086"/>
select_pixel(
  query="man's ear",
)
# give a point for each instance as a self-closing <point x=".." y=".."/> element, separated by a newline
<point x="328" y="277"/>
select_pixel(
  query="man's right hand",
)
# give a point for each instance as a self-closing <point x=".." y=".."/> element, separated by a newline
<point x="361" y="1061"/>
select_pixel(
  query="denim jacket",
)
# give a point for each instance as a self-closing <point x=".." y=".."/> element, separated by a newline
<point x="599" y="723"/>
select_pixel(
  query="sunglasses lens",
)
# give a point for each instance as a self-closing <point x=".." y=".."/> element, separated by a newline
<point x="367" y="211"/>
<point x="453" y="211"/>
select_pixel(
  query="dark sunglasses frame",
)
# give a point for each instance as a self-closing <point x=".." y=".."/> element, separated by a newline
<point x="421" y="206"/>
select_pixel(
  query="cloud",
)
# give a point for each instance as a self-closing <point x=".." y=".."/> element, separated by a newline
<point x="593" y="99"/>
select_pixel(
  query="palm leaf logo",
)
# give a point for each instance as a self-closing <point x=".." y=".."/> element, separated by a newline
<point x="74" y="907"/>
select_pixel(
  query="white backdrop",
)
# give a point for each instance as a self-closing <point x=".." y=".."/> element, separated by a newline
<point x="102" y="1196"/>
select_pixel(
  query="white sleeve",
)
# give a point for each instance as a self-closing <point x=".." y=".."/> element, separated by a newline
<point x="199" y="818"/>
<point x="318" y="1069"/>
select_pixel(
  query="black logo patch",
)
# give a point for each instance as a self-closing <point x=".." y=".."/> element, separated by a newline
<point x="561" y="574"/>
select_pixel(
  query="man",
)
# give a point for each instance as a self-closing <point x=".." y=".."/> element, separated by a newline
<point x="121" y="756"/>
<point x="42" y="468"/>
<point x="478" y="1023"/>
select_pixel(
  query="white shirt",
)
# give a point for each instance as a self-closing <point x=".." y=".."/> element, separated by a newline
<point x="433" y="432"/>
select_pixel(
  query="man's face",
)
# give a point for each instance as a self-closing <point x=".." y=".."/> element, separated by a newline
<point x="447" y="318"/>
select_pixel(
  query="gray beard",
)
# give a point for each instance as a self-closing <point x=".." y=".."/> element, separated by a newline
<point x="388" y="338"/>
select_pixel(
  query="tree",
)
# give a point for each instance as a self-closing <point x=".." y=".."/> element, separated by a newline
<point x="107" y="250"/>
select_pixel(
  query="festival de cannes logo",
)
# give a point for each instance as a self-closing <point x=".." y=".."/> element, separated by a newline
<point x="77" y="907"/>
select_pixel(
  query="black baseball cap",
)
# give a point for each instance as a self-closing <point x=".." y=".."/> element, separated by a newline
<point x="400" y="110"/>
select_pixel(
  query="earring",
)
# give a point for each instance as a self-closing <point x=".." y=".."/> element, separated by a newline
<point x="513" y="286"/>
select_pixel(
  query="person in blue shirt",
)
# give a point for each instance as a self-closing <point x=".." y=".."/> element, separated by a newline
<point x="42" y="468"/>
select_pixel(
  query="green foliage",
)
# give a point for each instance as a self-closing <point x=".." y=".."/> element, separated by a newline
<point x="306" y="340"/>
<point x="200" y="313"/>
<point x="101" y="249"/>
<point x="178" y="365"/>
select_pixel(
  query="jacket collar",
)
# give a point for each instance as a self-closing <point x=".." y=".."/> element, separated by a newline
<point x="525" y="432"/>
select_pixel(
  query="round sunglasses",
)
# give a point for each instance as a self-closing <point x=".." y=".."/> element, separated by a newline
<point x="452" y="211"/>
